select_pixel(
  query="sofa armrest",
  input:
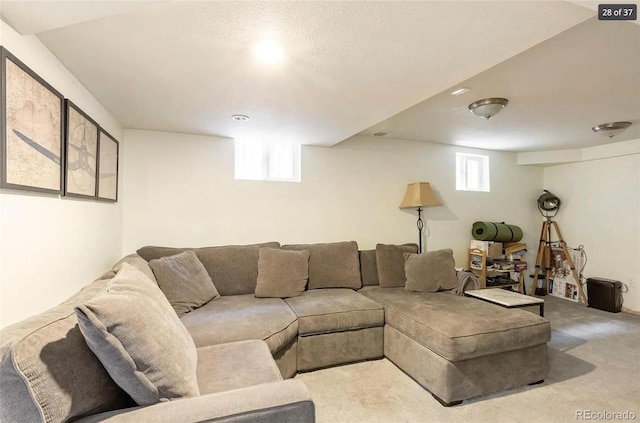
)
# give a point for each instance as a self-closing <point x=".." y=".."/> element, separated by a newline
<point x="285" y="401"/>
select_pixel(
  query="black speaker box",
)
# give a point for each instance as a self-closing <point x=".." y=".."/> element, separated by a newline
<point x="604" y="294"/>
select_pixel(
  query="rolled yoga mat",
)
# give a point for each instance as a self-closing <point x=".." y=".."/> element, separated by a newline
<point x="496" y="231"/>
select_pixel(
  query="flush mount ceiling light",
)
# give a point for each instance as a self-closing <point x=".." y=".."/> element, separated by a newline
<point x="240" y="118"/>
<point x="268" y="52"/>
<point x="487" y="107"/>
<point x="611" y="129"/>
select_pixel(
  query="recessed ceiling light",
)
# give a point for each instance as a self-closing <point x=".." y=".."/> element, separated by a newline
<point x="268" y="52"/>
<point x="240" y="118"/>
<point x="460" y="91"/>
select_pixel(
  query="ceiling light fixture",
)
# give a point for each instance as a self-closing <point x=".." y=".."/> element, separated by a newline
<point x="460" y="91"/>
<point x="611" y="129"/>
<point x="268" y="52"/>
<point x="487" y="107"/>
<point x="240" y="118"/>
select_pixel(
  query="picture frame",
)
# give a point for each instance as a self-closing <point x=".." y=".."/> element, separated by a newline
<point x="108" y="164"/>
<point x="32" y="136"/>
<point x="81" y="153"/>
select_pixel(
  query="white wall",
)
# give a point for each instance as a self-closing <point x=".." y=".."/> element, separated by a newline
<point x="50" y="247"/>
<point x="601" y="210"/>
<point x="179" y="191"/>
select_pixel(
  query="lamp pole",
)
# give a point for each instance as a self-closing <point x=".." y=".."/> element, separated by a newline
<point x="420" y="226"/>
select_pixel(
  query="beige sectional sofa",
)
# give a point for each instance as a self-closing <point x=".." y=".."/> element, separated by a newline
<point x="250" y="348"/>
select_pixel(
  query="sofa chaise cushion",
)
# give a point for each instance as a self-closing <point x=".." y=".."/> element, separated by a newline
<point x="242" y="317"/>
<point x="184" y="281"/>
<point x="121" y="327"/>
<point x="232" y="268"/>
<point x="282" y="273"/>
<point x="459" y="328"/>
<point x="235" y="365"/>
<point x="334" y="310"/>
<point x="332" y="265"/>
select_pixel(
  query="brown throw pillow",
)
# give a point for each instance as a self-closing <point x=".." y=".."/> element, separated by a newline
<point x="390" y="262"/>
<point x="282" y="273"/>
<point x="430" y="271"/>
<point x="184" y="281"/>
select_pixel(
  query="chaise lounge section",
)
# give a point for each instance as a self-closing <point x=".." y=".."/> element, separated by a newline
<point x="459" y="349"/>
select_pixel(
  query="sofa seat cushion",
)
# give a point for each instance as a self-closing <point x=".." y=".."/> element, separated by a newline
<point x="235" y="365"/>
<point x="240" y="318"/>
<point x="459" y="328"/>
<point x="334" y="310"/>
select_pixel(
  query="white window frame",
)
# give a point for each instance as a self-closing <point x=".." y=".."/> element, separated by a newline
<point x="472" y="172"/>
<point x="260" y="160"/>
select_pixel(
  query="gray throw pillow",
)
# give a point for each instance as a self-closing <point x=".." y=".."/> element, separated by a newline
<point x="282" y="273"/>
<point x="184" y="281"/>
<point x="390" y="263"/>
<point x="139" y="339"/>
<point x="431" y="271"/>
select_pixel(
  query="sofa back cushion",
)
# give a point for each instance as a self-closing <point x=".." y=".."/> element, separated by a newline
<point x="232" y="268"/>
<point x="368" y="267"/>
<point x="48" y="372"/>
<point x="390" y="262"/>
<point x="332" y="265"/>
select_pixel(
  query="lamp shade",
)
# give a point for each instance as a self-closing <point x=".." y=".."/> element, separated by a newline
<point x="419" y="194"/>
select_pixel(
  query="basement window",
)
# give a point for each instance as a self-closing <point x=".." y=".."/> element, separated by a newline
<point x="267" y="161"/>
<point x="472" y="172"/>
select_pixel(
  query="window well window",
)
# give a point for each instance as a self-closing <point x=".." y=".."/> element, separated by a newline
<point x="472" y="172"/>
<point x="267" y="161"/>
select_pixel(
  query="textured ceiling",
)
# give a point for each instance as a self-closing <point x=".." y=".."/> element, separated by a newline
<point x="185" y="66"/>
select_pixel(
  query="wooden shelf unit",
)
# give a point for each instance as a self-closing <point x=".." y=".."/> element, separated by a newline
<point x="477" y="262"/>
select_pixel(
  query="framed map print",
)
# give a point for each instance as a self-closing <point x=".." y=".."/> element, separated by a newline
<point x="107" y="167"/>
<point x="31" y="140"/>
<point x="81" y="147"/>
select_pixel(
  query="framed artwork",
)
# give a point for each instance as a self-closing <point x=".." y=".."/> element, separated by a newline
<point x="31" y="141"/>
<point x="81" y="158"/>
<point x="107" y="167"/>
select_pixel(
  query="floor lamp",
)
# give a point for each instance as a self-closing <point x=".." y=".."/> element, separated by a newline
<point x="419" y="195"/>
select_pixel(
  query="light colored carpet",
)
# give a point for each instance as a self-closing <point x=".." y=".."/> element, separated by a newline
<point x="594" y="365"/>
